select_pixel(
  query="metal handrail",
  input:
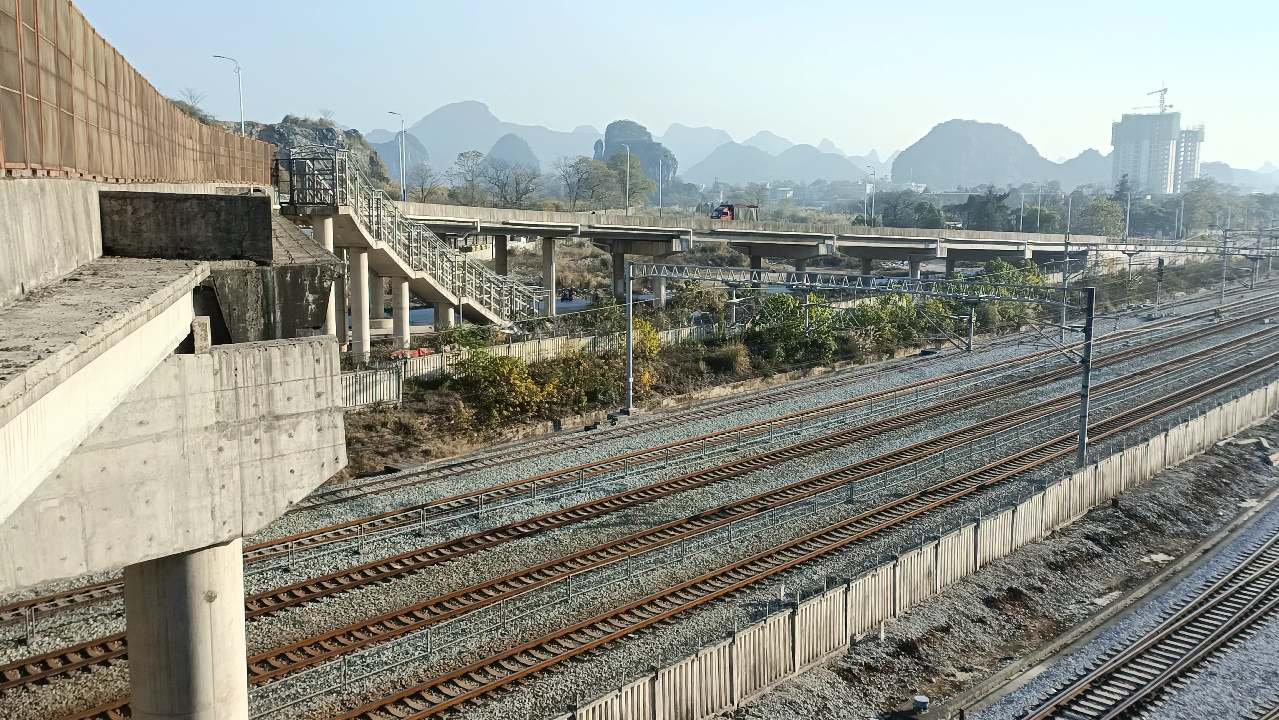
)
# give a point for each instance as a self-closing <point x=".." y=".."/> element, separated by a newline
<point x="330" y="178"/>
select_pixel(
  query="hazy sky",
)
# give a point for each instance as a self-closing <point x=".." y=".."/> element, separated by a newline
<point x="866" y="75"/>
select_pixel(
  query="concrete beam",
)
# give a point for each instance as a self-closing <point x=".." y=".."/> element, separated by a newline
<point x="656" y="246"/>
<point x="548" y="276"/>
<point x="185" y="615"/>
<point x="784" y="250"/>
<point x="400" y="311"/>
<point x="208" y="448"/>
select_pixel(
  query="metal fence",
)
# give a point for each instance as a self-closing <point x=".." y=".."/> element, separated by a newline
<point x="71" y="105"/>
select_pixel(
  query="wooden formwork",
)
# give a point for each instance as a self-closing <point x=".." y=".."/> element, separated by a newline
<point x="956" y="556"/>
<point x="71" y="105"/>
<point x="821" y="626"/>
<point x="870" y="600"/>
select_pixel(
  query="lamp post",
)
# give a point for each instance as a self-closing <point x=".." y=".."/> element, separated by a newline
<point x="628" y="178"/>
<point x="873" y="180"/>
<point x="239" y="83"/>
<point x="404" y="193"/>
<point x="660" y="158"/>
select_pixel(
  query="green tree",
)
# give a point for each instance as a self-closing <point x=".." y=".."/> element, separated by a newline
<point x="928" y="215"/>
<point x="640" y="185"/>
<point x="584" y="181"/>
<point x="1100" y="217"/>
<point x="779" y="332"/>
<point x="495" y="389"/>
<point x="466" y="178"/>
<point x="984" y="212"/>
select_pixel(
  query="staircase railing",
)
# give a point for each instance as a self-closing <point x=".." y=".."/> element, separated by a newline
<point x="330" y="179"/>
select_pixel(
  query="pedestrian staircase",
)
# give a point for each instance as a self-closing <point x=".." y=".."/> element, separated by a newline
<point x="326" y="182"/>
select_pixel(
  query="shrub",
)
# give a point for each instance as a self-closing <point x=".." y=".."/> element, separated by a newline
<point x="644" y="340"/>
<point x="729" y="360"/>
<point x="496" y="389"/>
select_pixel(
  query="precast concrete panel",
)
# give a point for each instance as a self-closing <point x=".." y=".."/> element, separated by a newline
<point x="916" y="577"/>
<point x="1108" y="478"/>
<point x="822" y="624"/>
<point x="762" y="655"/>
<point x="956" y="556"/>
<point x="1083" y="492"/>
<point x="1028" y="521"/>
<point x="632" y="702"/>
<point x="870" y="600"/>
<point x="1056" y="506"/>
<point x="994" y="537"/>
<point x="714" y="680"/>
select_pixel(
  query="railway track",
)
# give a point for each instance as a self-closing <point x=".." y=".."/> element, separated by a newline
<point x="276" y="663"/>
<point x="712" y="410"/>
<point x="281" y="661"/>
<point x="478" y="679"/>
<point x="1129" y="678"/>
<point x="423" y="513"/>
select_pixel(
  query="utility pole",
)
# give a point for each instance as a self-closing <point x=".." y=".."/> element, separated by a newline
<point x="1159" y="284"/>
<point x="628" y="190"/>
<point x="1086" y="366"/>
<point x="1039" y="208"/>
<point x="1065" y="269"/>
<point x="239" y="84"/>
<point x="972" y="318"/>
<point x="404" y="193"/>
<point x="1225" y="241"/>
<point x="1128" y="216"/>
<point x="1021" y="212"/>
<point x="873" y="180"/>
<point x="630" y="339"/>
<point x="660" y="158"/>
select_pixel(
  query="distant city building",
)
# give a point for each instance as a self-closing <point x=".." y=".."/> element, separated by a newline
<point x="1154" y="152"/>
<point x="1188" y="143"/>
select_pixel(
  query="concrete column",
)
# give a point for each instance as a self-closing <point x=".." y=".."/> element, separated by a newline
<point x="359" y="305"/>
<point x="757" y="262"/>
<point x="377" y="297"/>
<point x="867" y="266"/>
<point x="914" y="268"/>
<point x="400" y="311"/>
<point x="443" y="316"/>
<point x="548" y="276"/>
<point x="500" y="254"/>
<point x="185" y="615"/>
<point x="950" y="266"/>
<point x="340" y="294"/>
<point x="619" y="275"/>
<point x="801" y="265"/>
<point x="322" y="230"/>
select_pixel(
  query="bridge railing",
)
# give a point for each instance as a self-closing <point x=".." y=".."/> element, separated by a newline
<point x="330" y="179"/>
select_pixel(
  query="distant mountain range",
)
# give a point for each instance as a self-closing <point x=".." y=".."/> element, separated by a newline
<point x="956" y="153"/>
<point x="967" y="153"/>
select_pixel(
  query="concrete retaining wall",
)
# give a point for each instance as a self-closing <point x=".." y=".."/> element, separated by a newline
<point x="48" y="227"/>
<point x="756" y="659"/>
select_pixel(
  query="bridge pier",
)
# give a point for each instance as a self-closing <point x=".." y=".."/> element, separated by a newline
<point x="950" y="266"/>
<point x="867" y="265"/>
<point x="914" y="267"/>
<point x="359" y="305"/>
<point x="619" y="275"/>
<point x="500" y="254"/>
<point x="400" y="311"/>
<point x="548" y="276"/>
<point x="185" y="615"/>
<point x="801" y="265"/>
<point x="443" y="316"/>
<point x="322" y="230"/>
<point x="340" y="295"/>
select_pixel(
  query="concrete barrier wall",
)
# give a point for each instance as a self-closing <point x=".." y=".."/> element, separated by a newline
<point x="752" y="661"/>
<point x="870" y="601"/>
<point x="956" y="556"/>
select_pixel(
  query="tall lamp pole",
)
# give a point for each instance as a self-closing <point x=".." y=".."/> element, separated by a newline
<point x="239" y="83"/>
<point x="873" y="180"/>
<point x="404" y="193"/>
<point x="660" y="158"/>
<point x="628" y="178"/>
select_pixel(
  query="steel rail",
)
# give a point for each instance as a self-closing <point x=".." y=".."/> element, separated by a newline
<point x="48" y="666"/>
<point x="292" y="658"/>
<point x="1139" y="672"/>
<point x="342" y="494"/>
<point x="483" y="677"/>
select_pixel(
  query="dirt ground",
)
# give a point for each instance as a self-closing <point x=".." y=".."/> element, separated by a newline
<point x="1017" y="604"/>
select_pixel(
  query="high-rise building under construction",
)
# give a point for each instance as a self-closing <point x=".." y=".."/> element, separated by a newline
<point x="1154" y="152"/>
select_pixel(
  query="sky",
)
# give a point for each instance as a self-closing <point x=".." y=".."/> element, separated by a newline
<point x="866" y="75"/>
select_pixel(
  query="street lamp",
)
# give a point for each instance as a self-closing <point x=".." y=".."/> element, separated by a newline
<point x="239" y="83"/>
<point x="660" y="158"/>
<point x="873" y="179"/>
<point x="628" y="178"/>
<point x="404" y="193"/>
